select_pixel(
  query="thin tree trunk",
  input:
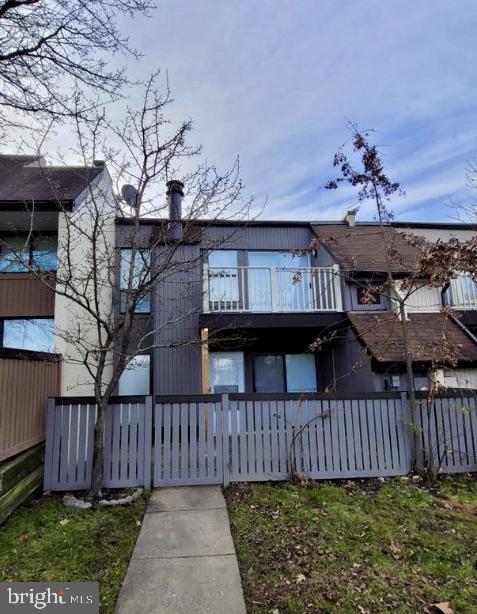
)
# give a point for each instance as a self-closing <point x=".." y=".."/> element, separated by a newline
<point x="410" y="384"/>
<point x="97" y="475"/>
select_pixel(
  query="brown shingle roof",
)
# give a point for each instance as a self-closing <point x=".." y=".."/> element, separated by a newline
<point x="22" y="179"/>
<point x="361" y="248"/>
<point x="431" y="337"/>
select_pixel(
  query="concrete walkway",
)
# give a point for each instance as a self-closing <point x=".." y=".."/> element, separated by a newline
<point x="184" y="560"/>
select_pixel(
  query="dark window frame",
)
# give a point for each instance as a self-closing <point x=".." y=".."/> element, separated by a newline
<point x="2" y="330"/>
<point x="151" y="373"/>
<point x="380" y="305"/>
<point x="284" y="355"/>
<point x="122" y="291"/>
<point x="35" y="235"/>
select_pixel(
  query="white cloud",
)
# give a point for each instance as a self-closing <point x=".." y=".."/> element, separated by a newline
<point x="275" y="80"/>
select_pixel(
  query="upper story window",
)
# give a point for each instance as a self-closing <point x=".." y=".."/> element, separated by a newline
<point x="18" y="255"/>
<point x="35" y="334"/>
<point x="285" y="260"/>
<point x="364" y="298"/>
<point x="141" y="272"/>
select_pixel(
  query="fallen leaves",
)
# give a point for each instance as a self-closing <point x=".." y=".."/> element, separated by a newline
<point x="21" y="539"/>
<point x="443" y="607"/>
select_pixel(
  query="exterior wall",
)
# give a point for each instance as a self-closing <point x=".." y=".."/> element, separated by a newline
<point x="444" y="234"/>
<point x="177" y="302"/>
<point x="71" y="320"/>
<point x="23" y="295"/>
<point x="458" y="378"/>
<point x="178" y="297"/>
<point x="345" y="352"/>
<point x="422" y="298"/>
<point x="25" y="384"/>
<point x="256" y="237"/>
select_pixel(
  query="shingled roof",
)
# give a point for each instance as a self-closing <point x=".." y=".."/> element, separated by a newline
<point x="26" y="179"/>
<point x="360" y="248"/>
<point x="431" y="335"/>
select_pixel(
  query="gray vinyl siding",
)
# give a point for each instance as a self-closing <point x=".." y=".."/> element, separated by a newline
<point x="177" y="300"/>
<point x="256" y="237"/>
<point x="177" y="304"/>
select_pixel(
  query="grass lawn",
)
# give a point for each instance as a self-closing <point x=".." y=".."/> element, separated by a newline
<point x="362" y="546"/>
<point x="44" y="541"/>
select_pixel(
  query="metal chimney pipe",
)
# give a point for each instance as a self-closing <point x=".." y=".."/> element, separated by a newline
<point x="175" y="194"/>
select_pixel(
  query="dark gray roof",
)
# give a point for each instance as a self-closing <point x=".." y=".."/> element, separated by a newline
<point x="26" y="179"/>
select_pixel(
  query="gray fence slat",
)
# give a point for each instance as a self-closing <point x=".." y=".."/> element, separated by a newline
<point x="73" y="447"/>
<point x="50" y="429"/>
<point x="82" y="475"/>
<point x="363" y="419"/>
<point x="384" y="419"/>
<point x="282" y="443"/>
<point x="167" y="441"/>
<point x="146" y="459"/>
<point x="64" y="443"/>
<point x="392" y="424"/>
<point x="202" y="424"/>
<point x="322" y="409"/>
<point x="267" y="439"/>
<point x="313" y="416"/>
<point x="472" y="427"/>
<point x="184" y="441"/>
<point x="258" y="430"/>
<point x="194" y="465"/>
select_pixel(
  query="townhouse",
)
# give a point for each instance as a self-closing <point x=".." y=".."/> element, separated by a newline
<point x="239" y="309"/>
<point x="244" y="317"/>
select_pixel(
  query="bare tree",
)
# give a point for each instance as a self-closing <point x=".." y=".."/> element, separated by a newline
<point x="53" y="56"/>
<point x="102" y="337"/>
<point x="435" y="265"/>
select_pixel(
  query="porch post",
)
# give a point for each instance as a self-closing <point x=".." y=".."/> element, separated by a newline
<point x="337" y="287"/>
<point x="204" y="351"/>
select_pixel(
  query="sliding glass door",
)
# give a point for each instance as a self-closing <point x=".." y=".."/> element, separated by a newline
<point x="288" y="290"/>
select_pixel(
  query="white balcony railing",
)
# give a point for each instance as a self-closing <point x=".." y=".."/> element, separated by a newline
<point x="271" y="289"/>
<point x="462" y="293"/>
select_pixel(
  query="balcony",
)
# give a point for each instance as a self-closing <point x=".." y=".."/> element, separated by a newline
<point x="462" y="293"/>
<point x="271" y="289"/>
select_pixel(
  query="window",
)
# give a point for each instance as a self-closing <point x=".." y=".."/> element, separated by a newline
<point x="44" y="253"/>
<point x="361" y="299"/>
<point x="284" y="373"/>
<point x="136" y="378"/>
<point x="223" y="275"/>
<point x="226" y="372"/>
<point x="269" y="373"/>
<point x="14" y="255"/>
<point x="301" y="373"/>
<point x="32" y="334"/>
<point x="17" y="254"/>
<point x="140" y="276"/>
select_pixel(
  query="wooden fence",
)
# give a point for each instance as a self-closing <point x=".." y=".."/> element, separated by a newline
<point x="216" y="439"/>
<point x="26" y="381"/>
<point x="70" y="437"/>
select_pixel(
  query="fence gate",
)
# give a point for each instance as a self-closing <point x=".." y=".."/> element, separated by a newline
<point x="188" y="441"/>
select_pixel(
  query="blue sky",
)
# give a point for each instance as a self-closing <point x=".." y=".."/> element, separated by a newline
<point x="276" y="80"/>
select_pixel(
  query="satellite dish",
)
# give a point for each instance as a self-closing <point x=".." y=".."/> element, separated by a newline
<point x="129" y="194"/>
